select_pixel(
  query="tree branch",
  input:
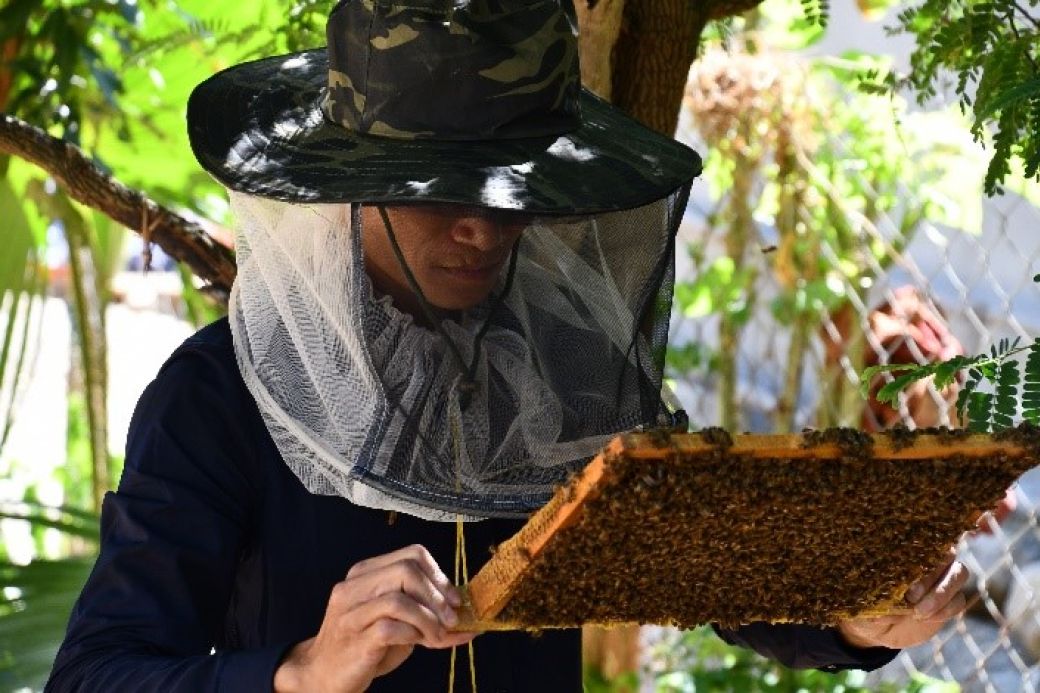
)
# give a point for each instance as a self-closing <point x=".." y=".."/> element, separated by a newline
<point x="1028" y="17"/>
<point x="180" y="238"/>
<point x="1018" y="36"/>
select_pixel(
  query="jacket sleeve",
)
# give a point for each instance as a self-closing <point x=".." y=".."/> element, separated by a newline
<point x="153" y="609"/>
<point x="806" y="647"/>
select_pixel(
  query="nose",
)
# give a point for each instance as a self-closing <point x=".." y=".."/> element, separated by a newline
<point x="478" y="232"/>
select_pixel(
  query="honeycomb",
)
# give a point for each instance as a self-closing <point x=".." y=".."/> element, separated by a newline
<point x="686" y="529"/>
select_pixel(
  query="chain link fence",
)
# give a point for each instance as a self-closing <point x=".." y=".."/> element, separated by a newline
<point x="983" y="285"/>
<point x="745" y="358"/>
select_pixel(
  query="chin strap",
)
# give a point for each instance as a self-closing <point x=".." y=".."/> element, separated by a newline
<point x="468" y="386"/>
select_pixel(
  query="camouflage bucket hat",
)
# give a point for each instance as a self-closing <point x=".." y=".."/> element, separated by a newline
<point x="460" y="101"/>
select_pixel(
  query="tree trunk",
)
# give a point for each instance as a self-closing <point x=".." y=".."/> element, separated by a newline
<point x="656" y="45"/>
<point x="600" y="26"/>
<point x="637" y="54"/>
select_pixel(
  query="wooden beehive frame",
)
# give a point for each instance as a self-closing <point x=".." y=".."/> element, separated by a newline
<point x="492" y="589"/>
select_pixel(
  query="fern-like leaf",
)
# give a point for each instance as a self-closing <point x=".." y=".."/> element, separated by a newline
<point x="1031" y="384"/>
<point x="817" y="11"/>
<point x="889" y="393"/>
<point x="980" y="410"/>
<point x="964" y="396"/>
<point x="946" y="371"/>
<point x="993" y="50"/>
<point x="1005" y="401"/>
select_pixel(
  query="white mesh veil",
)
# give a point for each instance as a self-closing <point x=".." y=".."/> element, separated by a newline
<point x="365" y="404"/>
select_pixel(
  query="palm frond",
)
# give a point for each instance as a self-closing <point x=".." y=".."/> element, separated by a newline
<point x="35" y="603"/>
<point x="22" y="279"/>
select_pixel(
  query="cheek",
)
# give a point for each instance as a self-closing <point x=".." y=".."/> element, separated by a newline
<point x="427" y="255"/>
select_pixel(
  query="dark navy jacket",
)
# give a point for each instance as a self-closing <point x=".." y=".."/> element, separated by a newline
<point x="215" y="560"/>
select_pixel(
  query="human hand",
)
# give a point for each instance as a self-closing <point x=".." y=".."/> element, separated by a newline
<point x="375" y="617"/>
<point x="935" y="598"/>
<point x="1004" y="507"/>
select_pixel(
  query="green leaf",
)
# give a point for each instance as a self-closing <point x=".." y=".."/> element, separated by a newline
<point x="13" y="16"/>
<point x="791" y="27"/>
<point x="33" y="618"/>
<point x="693" y="299"/>
<point x="720" y="288"/>
<point x="946" y="371"/>
<point x="70" y="521"/>
<point x="20" y="282"/>
<point x="871" y="372"/>
<point x="683" y="359"/>
<point x="35" y="599"/>
<point x="1020" y="92"/>
<point x="964" y="397"/>
<point x="889" y="393"/>
<point x="980" y="406"/>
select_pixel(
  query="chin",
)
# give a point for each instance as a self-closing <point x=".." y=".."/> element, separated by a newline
<point x="460" y="300"/>
<point x="458" y="305"/>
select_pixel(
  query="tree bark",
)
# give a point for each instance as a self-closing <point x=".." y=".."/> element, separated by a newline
<point x="85" y="182"/>
<point x="656" y="45"/>
<point x="638" y="53"/>
<point x="600" y="25"/>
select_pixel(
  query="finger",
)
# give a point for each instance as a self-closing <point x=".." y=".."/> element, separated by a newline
<point x="384" y="633"/>
<point x="983" y="524"/>
<point x="397" y="606"/>
<point x="954" y="606"/>
<point x="987" y="522"/>
<point x="431" y="634"/>
<point x="1005" y="506"/>
<point x="946" y="589"/>
<point x="397" y="640"/>
<point x="867" y="632"/>
<point x="874" y="624"/>
<point x="925" y="585"/>
<point x="405" y="576"/>
<point x="455" y="639"/>
<point x="393" y="657"/>
<point x="422" y="557"/>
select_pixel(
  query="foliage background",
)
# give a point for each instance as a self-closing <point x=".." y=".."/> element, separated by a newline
<point x="112" y="77"/>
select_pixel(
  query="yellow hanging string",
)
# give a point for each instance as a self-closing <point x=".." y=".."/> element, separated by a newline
<point x="461" y="567"/>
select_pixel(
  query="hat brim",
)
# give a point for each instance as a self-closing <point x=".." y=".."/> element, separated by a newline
<point x="258" y="128"/>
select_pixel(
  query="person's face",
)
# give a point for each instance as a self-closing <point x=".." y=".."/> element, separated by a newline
<point x="456" y="253"/>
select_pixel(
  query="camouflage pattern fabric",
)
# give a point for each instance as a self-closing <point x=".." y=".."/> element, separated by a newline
<point x="486" y="70"/>
<point x="458" y="101"/>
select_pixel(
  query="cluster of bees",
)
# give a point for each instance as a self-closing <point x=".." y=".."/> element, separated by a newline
<point x="716" y="537"/>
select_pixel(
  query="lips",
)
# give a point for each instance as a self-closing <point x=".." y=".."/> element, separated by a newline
<point x="481" y="272"/>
